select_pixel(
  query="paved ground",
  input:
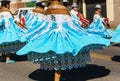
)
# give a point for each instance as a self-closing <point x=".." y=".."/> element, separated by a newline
<point x="102" y="68"/>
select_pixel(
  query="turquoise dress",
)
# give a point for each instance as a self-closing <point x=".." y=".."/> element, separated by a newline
<point x="11" y="36"/>
<point x="116" y="35"/>
<point x="33" y="19"/>
<point x="61" y="44"/>
<point x="33" y="23"/>
<point x="98" y="28"/>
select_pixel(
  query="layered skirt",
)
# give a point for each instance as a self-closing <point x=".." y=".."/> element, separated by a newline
<point x="11" y="37"/>
<point x="98" y="28"/>
<point x="61" y="43"/>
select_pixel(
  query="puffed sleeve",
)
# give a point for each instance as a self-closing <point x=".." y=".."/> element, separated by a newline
<point x="95" y="17"/>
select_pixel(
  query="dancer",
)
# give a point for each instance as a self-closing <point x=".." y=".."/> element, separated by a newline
<point x="10" y="33"/>
<point x="78" y="17"/>
<point x="62" y="44"/>
<point x="99" y="26"/>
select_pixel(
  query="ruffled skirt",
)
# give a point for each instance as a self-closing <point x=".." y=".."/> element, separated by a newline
<point x="11" y="38"/>
<point x="99" y="29"/>
<point x="62" y="45"/>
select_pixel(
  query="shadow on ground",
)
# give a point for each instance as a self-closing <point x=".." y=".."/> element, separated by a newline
<point x="116" y="58"/>
<point x="80" y="74"/>
<point x="19" y="58"/>
<point x="116" y="44"/>
<point x="14" y="57"/>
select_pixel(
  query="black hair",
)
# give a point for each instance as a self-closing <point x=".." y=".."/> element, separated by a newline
<point x="40" y="4"/>
<point x="65" y="4"/>
<point x="5" y="3"/>
<point x="97" y="9"/>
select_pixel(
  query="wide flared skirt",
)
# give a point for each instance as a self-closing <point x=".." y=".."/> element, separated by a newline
<point x="98" y="28"/>
<point x="11" y="38"/>
<point x="62" y="46"/>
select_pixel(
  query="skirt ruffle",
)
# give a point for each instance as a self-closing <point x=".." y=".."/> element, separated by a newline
<point x="56" y="62"/>
<point x="53" y="61"/>
<point x="11" y="47"/>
